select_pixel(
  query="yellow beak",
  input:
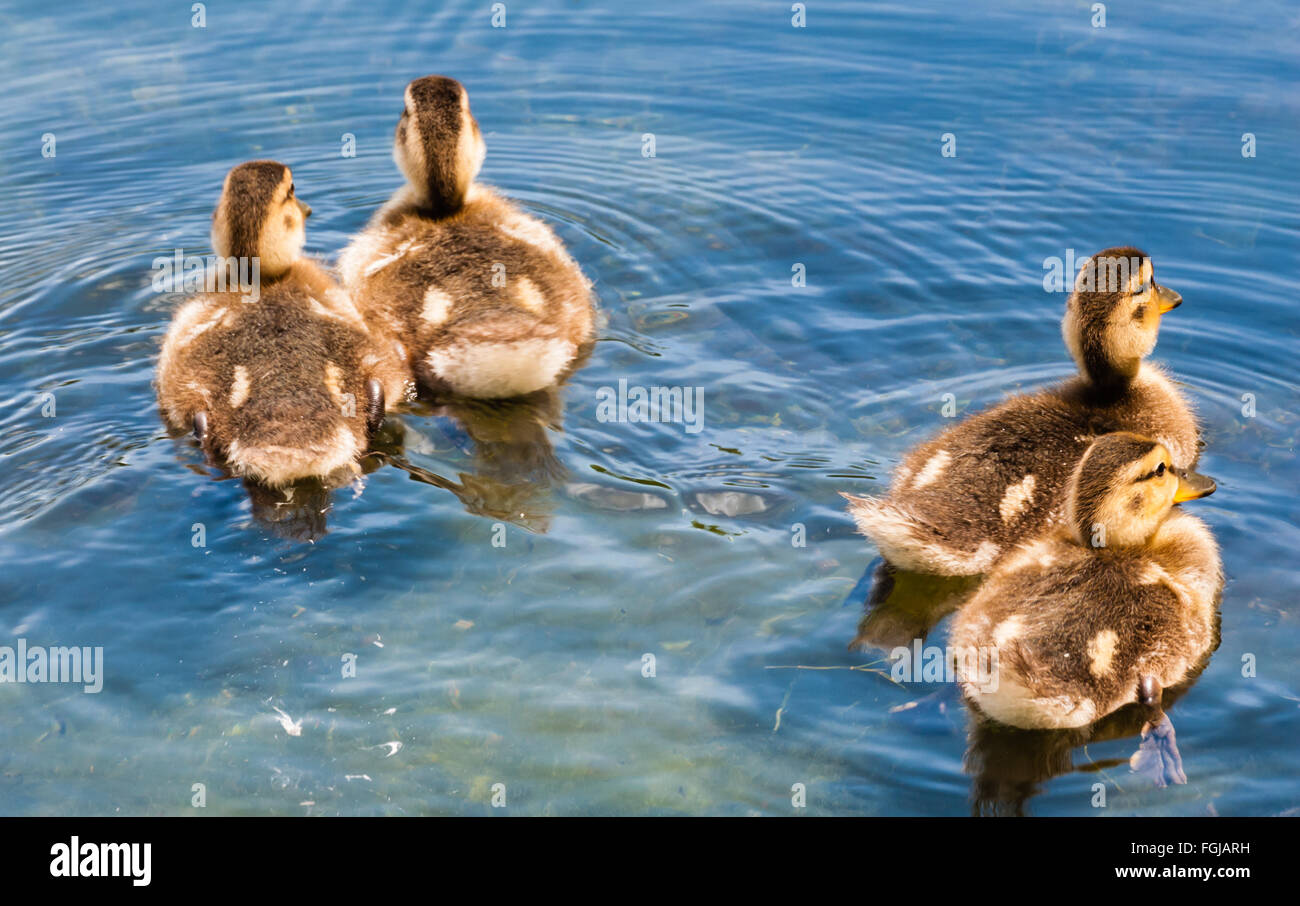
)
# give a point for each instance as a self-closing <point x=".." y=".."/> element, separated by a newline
<point x="1169" y="300"/>
<point x="1192" y="485"/>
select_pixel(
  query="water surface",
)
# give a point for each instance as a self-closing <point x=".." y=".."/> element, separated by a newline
<point x="522" y="664"/>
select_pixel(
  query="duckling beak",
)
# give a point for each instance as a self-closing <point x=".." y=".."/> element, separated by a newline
<point x="1192" y="485"/>
<point x="1169" y="300"/>
<point x="306" y="212"/>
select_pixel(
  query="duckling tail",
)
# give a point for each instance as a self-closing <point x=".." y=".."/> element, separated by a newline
<point x="912" y="544"/>
<point x="497" y="370"/>
<point x="279" y="440"/>
<point x="276" y="465"/>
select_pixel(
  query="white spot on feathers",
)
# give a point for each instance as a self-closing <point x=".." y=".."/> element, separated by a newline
<point x="240" y="388"/>
<point x="528" y="296"/>
<point x="437" y="306"/>
<point x="1008" y="629"/>
<point x="1018" y="496"/>
<point x="1101" y="651"/>
<point x="334" y="382"/>
<point x="375" y="267"/>
<point x="932" y="470"/>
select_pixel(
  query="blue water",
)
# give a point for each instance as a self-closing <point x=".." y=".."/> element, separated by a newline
<point x="522" y="664"/>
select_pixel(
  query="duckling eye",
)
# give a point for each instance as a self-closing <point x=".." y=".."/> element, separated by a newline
<point x="1157" y="472"/>
<point x="291" y="187"/>
<point x="1142" y="289"/>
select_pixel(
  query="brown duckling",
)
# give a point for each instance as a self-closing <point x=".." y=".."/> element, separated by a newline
<point x="485" y="299"/>
<point x="1110" y="608"/>
<point x="960" y="500"/>
<point x="283" y="383"/>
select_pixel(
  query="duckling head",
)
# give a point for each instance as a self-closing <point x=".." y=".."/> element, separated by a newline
<point x="1113" y="315"/>
<point x="259" y="216"/>
<point x="1124" y="487"/>
<point x="438" y="145"/>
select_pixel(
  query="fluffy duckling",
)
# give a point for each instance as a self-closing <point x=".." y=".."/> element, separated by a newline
<point x="1110" y="609"/>
<point x="485" y="298"/>
<point x="283" y="382"/>
<point x="960" y="500"/>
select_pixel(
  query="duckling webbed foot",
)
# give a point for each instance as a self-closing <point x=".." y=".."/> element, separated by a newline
<point x="203" y="437"/>
<point x="1149" y="692"/>
<point x="374" y="405"/>
<point x="1157" y="757"/>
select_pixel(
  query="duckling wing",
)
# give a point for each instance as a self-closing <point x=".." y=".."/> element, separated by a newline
<point x="1074" y="630"/>
<point x="908" y="540"/>
<point x="961" y="499"/>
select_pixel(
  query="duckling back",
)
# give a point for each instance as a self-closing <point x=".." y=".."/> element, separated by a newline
<point x="488" y="302"/>
<point x="283" y="388"/>
<point x="959" y="501"/>
<point x="484" y="297"/>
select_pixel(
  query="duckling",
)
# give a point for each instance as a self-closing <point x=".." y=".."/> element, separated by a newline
<point x="1109" y="609"/>
<point x="285" y="382"/>
<point x="484" y="297"/>
<point x="961" y="499"/>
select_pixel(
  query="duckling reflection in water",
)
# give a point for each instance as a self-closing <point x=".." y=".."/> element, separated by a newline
<point x="902" y="607"/>
<point x="299" y="511"/>
<point x="513" y="465"/>
<point x="1009" y="766"/>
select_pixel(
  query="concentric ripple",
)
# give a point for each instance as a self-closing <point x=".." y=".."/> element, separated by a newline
<point x="611" y="615"/>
